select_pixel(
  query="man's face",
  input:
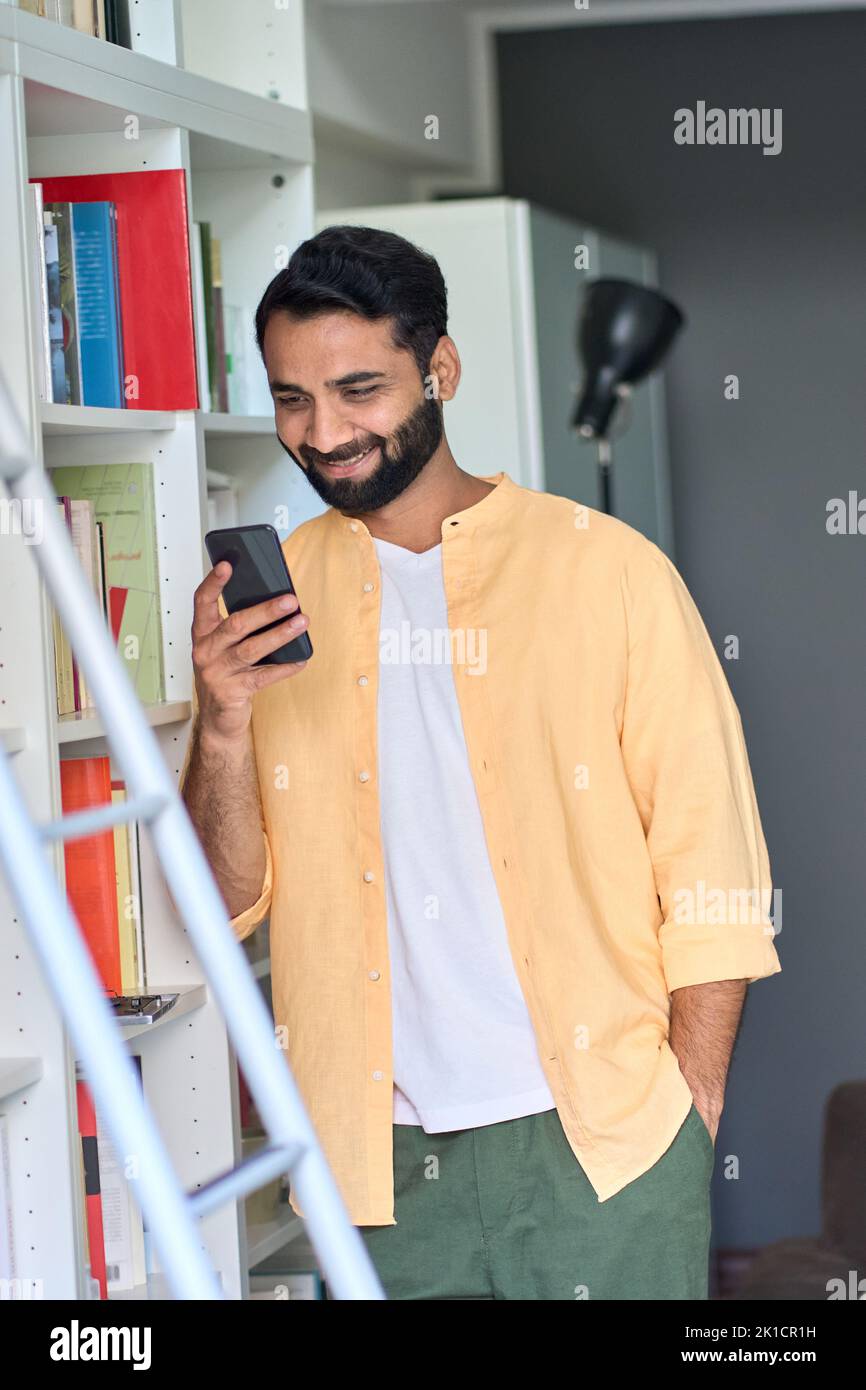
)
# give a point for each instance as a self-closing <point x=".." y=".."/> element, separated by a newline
<point x="341" y="391"/>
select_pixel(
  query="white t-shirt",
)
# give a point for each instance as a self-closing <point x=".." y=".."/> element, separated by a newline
<point x="465" y="1052"/>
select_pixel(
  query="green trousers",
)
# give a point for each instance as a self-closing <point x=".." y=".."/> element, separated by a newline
<point x="506" y="1211"/>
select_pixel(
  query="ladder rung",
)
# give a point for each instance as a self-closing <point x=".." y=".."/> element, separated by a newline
<point x="254" y="1172"/>
<point x="78" y="824"/>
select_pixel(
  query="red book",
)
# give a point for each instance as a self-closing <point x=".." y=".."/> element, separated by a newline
<point x="92" y="1194"/>
<point x="91" y="883"/>
<point x="155" y="282"/>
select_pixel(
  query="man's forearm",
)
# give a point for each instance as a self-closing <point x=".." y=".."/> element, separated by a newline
<point x="222" y="796"/>
<point x="703" y="1028"/>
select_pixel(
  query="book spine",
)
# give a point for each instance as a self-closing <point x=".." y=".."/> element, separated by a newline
<point x="62" y="650"/>
<point x="135" y="879"/>
<point x="82" y="16"/>
<point x="210" y="326"/>
<point x="76" y="682"/>
<point x="55" y="311"/>
<point x="93" y="1202"/>
<point x="97" y="305"/>
<point x="91" y="885"/>
<point x="61" y="216"/>
<point x="200" y="322"/>
<point x="103" y="590"/>
<point x="40" y="291"/>
<point x="123" y="28"/>
<point x="219" y="325"/>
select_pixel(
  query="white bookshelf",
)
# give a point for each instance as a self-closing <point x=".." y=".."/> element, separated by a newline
<point x="219" y="89"/>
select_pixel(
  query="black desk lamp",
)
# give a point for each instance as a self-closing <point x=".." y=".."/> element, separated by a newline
<point x="624" y="332"/>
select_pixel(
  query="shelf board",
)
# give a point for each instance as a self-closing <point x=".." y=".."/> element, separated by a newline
<point x="86" y="419"/>
<point x="18" y="1072"/>
<point x="13" y="740"/>
<point x="190" y="997"/>
<point x="86" y="724"/>
<point x="267" y="1237"/>
<point x="75" y="86"/>
<point x="236" y="426"/>
<point x="90" y="419"/>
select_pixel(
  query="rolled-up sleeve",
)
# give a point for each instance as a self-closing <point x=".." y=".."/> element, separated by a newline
<point x="686" y="761"/>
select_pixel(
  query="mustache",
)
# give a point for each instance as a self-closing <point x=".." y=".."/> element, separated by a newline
<point x="341" y="458"/>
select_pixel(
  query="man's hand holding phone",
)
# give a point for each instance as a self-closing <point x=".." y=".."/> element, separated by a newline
<point x="225" y="650"/>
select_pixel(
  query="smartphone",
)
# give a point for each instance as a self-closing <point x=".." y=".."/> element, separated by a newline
<point x="259" y="572"/>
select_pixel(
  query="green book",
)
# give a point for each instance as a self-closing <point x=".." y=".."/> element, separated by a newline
<point x="123" y="501"/>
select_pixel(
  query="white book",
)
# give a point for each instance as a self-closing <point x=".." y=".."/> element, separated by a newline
<point x="39" y="291"/>
<point x="119" y="1214"/>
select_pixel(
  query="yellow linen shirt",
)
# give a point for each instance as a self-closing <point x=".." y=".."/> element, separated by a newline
<point x="618" y="808"/>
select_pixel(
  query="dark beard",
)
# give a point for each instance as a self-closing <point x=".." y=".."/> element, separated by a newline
<point x="412" y="445"/>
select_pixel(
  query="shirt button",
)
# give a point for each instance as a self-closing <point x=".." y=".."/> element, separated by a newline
<point x="362" y="680"/>
<point x="374" y="975"/>
<point x="368" y="586"/>
<point x="353" y="525"/>
<point x="363" y="776"/>
<point x="377" y="1075"/>
<point x="368" y="875"/>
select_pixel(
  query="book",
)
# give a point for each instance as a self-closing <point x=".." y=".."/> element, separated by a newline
<point x="61" y="214"/>
<point x="222" y="392"/>
<point x="128" y="902"/>
<point x="119" y="1213"/>
<point x="65" y="669"/>
<point x="210" y="322"/>
<point x="84" y="539"/>
<point x="158" y="346"/>
<point x="198" y="299"/>
<point x="93" y="1202"/>
<point x="117" y="27"/>
<point x="83" y="18"/>
<point x="39" y="293"/>
<point x="236" y="330"/>
<point x="136" y="889"/>
<point x="91" y="884"/>
<point x="55" y="311"/>
<point x="96" y="293"/>
<point x="122" y="497"/>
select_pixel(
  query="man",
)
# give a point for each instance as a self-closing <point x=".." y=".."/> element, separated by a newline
<point x="503" y="822"/>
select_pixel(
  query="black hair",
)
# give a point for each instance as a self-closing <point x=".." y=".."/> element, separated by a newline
<point x="370" y="272"/>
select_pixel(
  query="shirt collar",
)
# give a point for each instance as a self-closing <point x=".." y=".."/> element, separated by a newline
<point x="489" y="509"/>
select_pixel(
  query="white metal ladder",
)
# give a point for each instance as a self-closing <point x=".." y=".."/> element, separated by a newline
<point x="155" y="801"/>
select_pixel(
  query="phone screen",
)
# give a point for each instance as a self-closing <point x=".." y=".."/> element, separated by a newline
<point x="259" y="572"/>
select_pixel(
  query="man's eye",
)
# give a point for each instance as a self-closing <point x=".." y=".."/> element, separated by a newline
<point x="287" y="400"/>
<point x="362" y="390"/>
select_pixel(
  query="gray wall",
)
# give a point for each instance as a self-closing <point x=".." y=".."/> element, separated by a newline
<point x="766" y="255"/>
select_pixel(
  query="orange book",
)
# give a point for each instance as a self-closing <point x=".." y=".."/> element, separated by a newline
<point x="91" y="882"/>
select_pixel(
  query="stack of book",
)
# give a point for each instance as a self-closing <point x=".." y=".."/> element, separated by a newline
<point x="115" y="1232"/>
<point x="109" y="509"/>
<point x="103" y="878"/>
<point x="105" y="19"/>
<point x="113" y="290"/>
<point x="223" y="332"/>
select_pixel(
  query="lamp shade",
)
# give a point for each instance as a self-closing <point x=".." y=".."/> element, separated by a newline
<point x="624" y="331"/>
